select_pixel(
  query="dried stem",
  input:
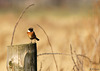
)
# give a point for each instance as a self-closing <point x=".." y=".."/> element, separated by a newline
<point x="97" y="40"/>
<point x="80" y="63"/>
<point x="79" y="55"/>
<point x="74" y="68"/>
<point x="21" y="15"/>
<point x="73" y="58"/>
<point x="50" y="46"/>
<point x="41" y="67"/>
<point x="51" y="54"/>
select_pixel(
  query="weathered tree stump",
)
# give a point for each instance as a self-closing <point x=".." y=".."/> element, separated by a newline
<point x="22" y="57"/>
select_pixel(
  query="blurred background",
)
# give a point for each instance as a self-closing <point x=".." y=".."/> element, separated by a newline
<point x="66" y="22"/>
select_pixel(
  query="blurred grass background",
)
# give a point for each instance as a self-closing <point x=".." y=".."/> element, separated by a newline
<point x="65" y="21"/>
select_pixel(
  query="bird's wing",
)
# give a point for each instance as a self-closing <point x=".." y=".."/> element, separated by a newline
<point x="34" y="35"/>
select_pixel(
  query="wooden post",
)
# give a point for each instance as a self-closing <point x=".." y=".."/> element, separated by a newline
<point x="22" y="57"/>
<point x="30" y="60"/>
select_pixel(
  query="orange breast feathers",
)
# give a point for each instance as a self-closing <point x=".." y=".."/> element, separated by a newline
<point x="31" y="35"/>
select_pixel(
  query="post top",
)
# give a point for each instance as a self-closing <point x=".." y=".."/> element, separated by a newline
<point x="22" y="45"/>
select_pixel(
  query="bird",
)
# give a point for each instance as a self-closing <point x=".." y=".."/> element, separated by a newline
<point x="31" y="34"/>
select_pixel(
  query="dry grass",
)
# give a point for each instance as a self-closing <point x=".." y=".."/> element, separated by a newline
<point x="78" y="30"/>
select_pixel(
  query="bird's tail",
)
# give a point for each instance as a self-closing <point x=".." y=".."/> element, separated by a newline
<point x="37" y="39"/>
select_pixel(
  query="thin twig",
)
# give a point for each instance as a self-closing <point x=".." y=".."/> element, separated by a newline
<point x="51" y="54"/>
<point x="95" y="48"/>
<point x="41" y="67"/>
<point x="97" y="40"/>
<point x="97" y="22"/>
<point x="88" y="59"/>
<point x="80" y="63"/>
<point x="73" y="58"/>
<point x="21" y="15"/>
<point x="50" y="46"/>
<point x="74" y="68"/>
<point x="48" y="69"/>
<point x="79" y="55"/>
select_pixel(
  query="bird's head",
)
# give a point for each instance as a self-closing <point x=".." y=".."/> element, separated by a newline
<point x="30" y="30"/>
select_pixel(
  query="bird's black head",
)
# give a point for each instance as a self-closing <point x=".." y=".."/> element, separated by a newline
<point x="30" y="30"/>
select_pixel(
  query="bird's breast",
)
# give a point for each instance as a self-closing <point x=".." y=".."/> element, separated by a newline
<point x="31" y="35"/>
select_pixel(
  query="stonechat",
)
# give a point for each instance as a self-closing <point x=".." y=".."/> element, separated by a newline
<point x="31" y="34"/>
